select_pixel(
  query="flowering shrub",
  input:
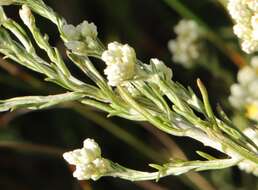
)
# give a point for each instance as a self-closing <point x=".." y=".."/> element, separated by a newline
<point x="134" y="90"/>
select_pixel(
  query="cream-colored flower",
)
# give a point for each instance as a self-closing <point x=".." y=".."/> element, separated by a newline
<point x="120" y="60"/>
<point x="81" y="38"/>
<point x="88" y="29"/>
<point x="245" y="14"/>
<point x="86" y="155"/>
<point x="185" y="48"/>
<point x="92" y="170"/>
<point x="88" y="161"/>
<point x="244" y="94"/>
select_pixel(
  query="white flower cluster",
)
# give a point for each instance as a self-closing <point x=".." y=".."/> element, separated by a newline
<point x="82" y="37"/>
<point x="88" y="161"/>
<point x="244" y="94"/>
<point x="185" y="48"/>
<point x="120" y="60"/>
<point x="248" y="166"/>
<point x="245" y="14"/>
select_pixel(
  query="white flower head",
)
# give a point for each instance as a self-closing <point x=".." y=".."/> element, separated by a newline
<point x="88" y="29"/>
<point x="86" y="155"/>
<point x="26" y="15"/>
<point x="186" y="47"/>
<point x="120" y="60"/>
<point x="244" y="94"/>
<point x="82" y="37"/>
<point x="246" y="75"/>
<point x="84" y="172"/>
<point x="90" y="144"/>
<point x="254" y="62"/>
<point x="245" y="14"/>
<point x="92" y="170"/>
<point x="88" y="161"/>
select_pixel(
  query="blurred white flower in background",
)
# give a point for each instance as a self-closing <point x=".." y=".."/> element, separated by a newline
<point x="244" y="94"/>
<point x="245" y="15"/>
<point x="88" y="161"/>
<point x="120" y="60"/>
<point x="185" y="48"/>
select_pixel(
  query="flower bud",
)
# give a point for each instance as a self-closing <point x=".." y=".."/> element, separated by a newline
<point x="120" y="60"/>
<point x="88" y="161"/>
<point x="25" y="14"/>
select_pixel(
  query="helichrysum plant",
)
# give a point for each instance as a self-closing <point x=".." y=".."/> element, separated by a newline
<point x="186" y="48"/>
<point x="129" y="89"/>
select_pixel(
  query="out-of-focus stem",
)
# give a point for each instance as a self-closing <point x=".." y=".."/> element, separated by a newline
<point x="24" y="146"/>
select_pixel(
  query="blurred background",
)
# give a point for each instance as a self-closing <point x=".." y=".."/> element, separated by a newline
<point x="32" y="142"/>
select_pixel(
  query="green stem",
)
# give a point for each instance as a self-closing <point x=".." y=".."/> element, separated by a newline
<point x="119" y="132"/>
<point x="24" y="146"/>
<point x="152" y="119"/>
<point x="170" y="169"/>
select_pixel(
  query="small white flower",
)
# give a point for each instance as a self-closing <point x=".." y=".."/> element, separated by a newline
<point x="120" y="60"/>
<point x="246" y="75"/>
<point x="87" y="154"/>
<point x="244" y="12"/>
<point x="254" y="62"/>
<point x="25" y="14"/>
<point x="88" y="29"/>
<point x="185" y="48"/>
<point x="238" y="90"/>
<point x="81" y="38"/>
<point x="102" y="166"/>
<point x="84" y="172"/>
<point x="88" y="161"/>
<point x="90" y="144"/>
<point x="71" y="32"/>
